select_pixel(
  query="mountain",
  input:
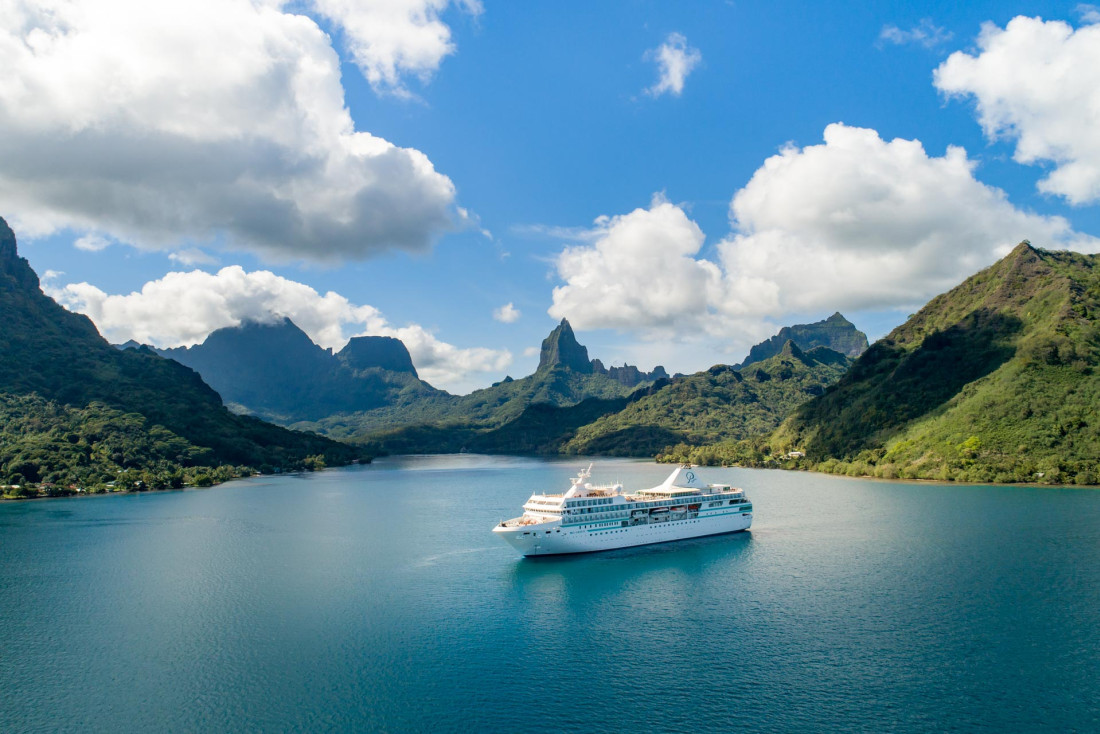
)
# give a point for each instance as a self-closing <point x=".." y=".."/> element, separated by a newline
<point x="542" y="428"/>
<point x="995" y="380"/>
<point x="720" y="403"/>
<point x="275" y="371"/>
<point x="628" y="375"/>
<point x="565" y="377"/>
<point x="572" y="404"/>
<point x="58" y="357"/>
<point x="561" y="349"/>
<point x="377" y="352"/>
<point x="836" y="333"/>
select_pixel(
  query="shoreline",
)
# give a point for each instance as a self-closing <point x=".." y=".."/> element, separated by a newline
<point x="864" y="477"/>
<point x="115" y="493"/>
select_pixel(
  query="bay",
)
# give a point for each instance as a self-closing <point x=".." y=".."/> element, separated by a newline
<point x="375" y="598"/>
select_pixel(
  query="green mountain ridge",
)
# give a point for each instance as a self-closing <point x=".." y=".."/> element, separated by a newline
<point x="60" y="357"/>
<point x="993" y="381"/>
<point x="274" y="371"/>
<point x="717" y="404"/>
<point x="482" y="410"/>
<point x="565" y="377"/>
<point x="566" y="405"/>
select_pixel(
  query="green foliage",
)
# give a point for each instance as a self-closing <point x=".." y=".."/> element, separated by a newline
<point x="443" y="422"/>
<point x="715" y="405"/>
<point x="910" y="381"/>
<point x="47" y="449"/>
<point x="543" y="428"/>
<point x="154" y="412"/>
<point x="995" y="381"/>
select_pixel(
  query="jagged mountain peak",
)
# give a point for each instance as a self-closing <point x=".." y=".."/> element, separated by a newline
<point x="561" y="348"/>
<point x="7" y="241"/>
<point x="836" y="333"/>
<point x="12" y="266"/>
<point x="790" y="349"/>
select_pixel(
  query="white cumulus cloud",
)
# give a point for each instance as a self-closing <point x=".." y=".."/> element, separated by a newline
<point x="853" y="223"/>
<point x="168" y="124"/>
<point x="1038" y="83"/>
<point x="507" y="314"/>
<point x="182" y="308"/>
<point x="675" y="60"/>
<point x="859" y="222"/>
<point x="391" y="38"/>
<point x="639" y="272"/>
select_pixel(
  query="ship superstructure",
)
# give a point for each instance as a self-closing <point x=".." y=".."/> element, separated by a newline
<point x="590" y="517"/>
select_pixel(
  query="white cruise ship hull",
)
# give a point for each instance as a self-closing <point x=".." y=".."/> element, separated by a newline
<point x="552" y="538"/>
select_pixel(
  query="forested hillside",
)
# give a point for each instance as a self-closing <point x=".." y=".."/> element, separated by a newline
<point x="714" y="405"/>
<point x="996" y="380"/>
<point x="58" y="357"/>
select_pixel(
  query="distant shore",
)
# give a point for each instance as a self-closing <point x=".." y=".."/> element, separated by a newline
<point x="69" y="494"/>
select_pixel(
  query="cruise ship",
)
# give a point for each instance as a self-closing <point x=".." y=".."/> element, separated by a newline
<point x="591" y="517"/>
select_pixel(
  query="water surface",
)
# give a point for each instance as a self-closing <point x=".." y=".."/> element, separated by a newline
<point x="375" y="598"/>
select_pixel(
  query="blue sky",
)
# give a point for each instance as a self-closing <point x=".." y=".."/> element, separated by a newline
<point x="548" y="169"/>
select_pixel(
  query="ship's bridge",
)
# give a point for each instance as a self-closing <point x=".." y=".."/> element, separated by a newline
<point x="544" y="504"/>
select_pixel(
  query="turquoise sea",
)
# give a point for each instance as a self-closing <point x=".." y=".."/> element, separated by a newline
<point x="375" y="598"/>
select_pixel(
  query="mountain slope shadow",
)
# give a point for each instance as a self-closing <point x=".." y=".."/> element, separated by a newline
<point x="891" y="385"/>
<point x="644" y="440"/>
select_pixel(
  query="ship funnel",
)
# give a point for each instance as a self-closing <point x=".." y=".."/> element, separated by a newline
<point x="681" y="476"/>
